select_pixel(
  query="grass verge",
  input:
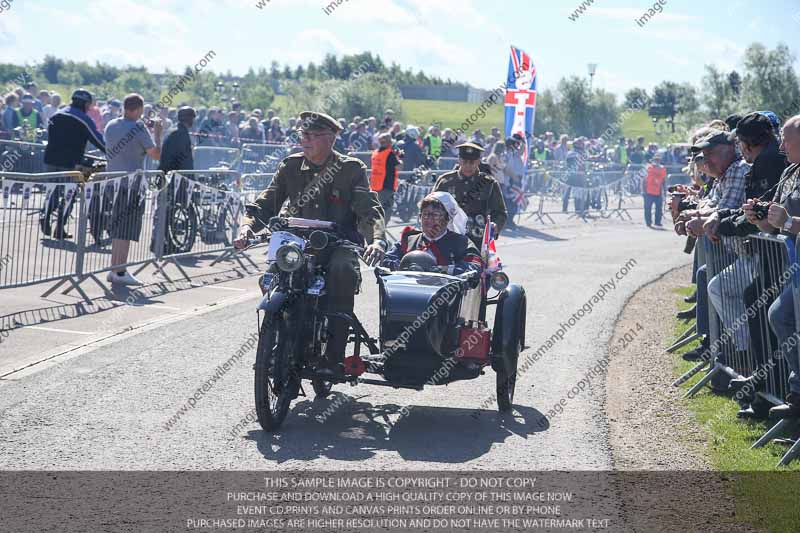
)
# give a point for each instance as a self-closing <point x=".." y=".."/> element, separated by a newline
<point x="764" y="496"/>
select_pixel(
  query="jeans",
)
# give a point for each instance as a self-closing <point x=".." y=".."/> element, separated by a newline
<point x="649" y="201"/>
<point x="726" y="292"/>
<point x="782" y="321"/>
<point x="702" y="301"/>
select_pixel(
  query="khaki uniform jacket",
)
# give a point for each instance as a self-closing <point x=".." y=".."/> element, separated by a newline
<point x="477" y="195"/>
<point x="341" y="195"/>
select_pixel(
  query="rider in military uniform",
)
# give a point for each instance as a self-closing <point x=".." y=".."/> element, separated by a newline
<point x="476" y="192"/>
<point x="323" y="184"/>
<point x="442" y="236"/>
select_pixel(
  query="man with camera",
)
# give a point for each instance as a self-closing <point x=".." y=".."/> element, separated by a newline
<point x="783" y="215"/>
<point x="322" y="184"/>
<point x="129" y="142"/>
<point x="721" y="162"/>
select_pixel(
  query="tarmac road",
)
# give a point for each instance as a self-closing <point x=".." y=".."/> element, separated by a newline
<point x="108" y="408"/>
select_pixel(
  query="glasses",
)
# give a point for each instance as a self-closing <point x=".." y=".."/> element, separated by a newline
<point x="432" y="215"/>
<point x="307" y="135"/>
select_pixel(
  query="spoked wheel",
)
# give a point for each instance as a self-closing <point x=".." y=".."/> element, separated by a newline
<point x="276" y="381"/>
<point x="181" y="229"/>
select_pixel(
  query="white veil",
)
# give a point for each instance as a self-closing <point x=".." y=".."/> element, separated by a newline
<point x="458" y="218"/>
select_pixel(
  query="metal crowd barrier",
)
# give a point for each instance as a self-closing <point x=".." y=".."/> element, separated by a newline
<point x="123" y="206"/>
<point x="207" y="157"/>
<point x="745" y="276"/>
<point x="365" y="157"/>
<point x="36" y="228"/>
<point x="183" y="215"/>
<point x="22" y="157"/>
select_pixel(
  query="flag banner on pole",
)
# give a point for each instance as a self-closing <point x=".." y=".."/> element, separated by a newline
<point x="520" y="100"/>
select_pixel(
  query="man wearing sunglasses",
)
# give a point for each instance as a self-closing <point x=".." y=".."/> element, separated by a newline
<point x="322" y="184"/>
<point x="477" y="193"/>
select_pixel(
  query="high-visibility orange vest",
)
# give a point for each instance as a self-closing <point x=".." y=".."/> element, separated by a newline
<point x="379" y="158"/>
<point x="655" y="178"/>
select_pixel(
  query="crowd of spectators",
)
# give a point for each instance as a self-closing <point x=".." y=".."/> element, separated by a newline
<point x="233" y="127"/>
<point x="745" y="180"/>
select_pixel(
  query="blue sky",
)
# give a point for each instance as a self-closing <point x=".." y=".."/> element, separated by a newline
<point x="461" y="39"/>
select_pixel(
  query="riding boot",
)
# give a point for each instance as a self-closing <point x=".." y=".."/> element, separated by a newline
<point x="332" y="364"/>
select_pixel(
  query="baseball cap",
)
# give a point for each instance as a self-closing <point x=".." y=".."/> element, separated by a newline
<point x="712" y="138"/>
<point x="752" y="125"/>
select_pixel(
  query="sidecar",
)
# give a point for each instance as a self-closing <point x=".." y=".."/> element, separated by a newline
<point x="433" y="330"/>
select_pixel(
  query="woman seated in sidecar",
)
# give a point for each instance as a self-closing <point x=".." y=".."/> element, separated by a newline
<point x="442" y="238"/>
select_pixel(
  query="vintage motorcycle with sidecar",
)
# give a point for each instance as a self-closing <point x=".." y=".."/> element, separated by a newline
<point x="433" y="328"/>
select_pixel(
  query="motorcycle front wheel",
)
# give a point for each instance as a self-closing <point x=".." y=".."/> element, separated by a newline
<point x="276" y="380"/>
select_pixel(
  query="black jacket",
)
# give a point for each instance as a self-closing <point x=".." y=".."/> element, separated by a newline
<point x="761" y="179"/>
<point x="68" y="131"/>
<point x="176" y="154"/>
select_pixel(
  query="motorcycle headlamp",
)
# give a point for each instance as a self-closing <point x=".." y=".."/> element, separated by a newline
<point x="289" y="258"/>
<point x="499" y="281"/>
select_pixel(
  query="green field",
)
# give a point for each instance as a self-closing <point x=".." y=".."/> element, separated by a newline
<point x="423" y="113"/>
<point x="769" y="501"/>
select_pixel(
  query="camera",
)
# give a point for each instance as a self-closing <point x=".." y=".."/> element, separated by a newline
<point x="761" y="210"/>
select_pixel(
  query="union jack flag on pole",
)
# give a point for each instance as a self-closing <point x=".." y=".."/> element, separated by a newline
<point x="520" y="100"/>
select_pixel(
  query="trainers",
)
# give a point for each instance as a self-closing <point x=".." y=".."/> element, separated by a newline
<point x="691" y="299"/>
<point x="688" y="313"/>
<point x="122" y="278"/>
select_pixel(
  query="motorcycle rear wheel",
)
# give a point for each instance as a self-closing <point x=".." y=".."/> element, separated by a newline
<point x="276" y="380"/>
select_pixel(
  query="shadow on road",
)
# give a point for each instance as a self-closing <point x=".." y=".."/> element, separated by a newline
<point x="117" y="297"/>
<point x="357" y="430"/>
<point x="524" y="232"/>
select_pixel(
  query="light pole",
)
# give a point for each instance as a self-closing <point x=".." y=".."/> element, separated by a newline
<point x="592" y="70"/>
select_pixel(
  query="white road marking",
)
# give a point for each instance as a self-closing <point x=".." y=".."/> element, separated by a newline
<point x="222" y="288"/>
<point x="158" y="306"/>
<point x="56" y="330"/>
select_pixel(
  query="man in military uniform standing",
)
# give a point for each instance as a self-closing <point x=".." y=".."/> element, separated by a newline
<point x="476" y="192"/>
<point x="323" y="184"/>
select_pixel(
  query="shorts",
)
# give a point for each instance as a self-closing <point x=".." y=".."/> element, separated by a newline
<point x="128" y="216"/>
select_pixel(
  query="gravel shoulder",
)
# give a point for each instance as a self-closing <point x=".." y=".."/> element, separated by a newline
<point x="651" y="428"/>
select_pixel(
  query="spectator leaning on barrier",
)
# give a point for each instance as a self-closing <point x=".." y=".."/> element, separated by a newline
<point x="176" y="154"/>
<point x="737" y="287"/>
<point x="722" y="162"/>
<point x="784" y="216"/>
<point x="68" y="131"/>
<point x="384" y="179"/>
<point x="655" y="183"/>
<point x="129" y="142"/>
